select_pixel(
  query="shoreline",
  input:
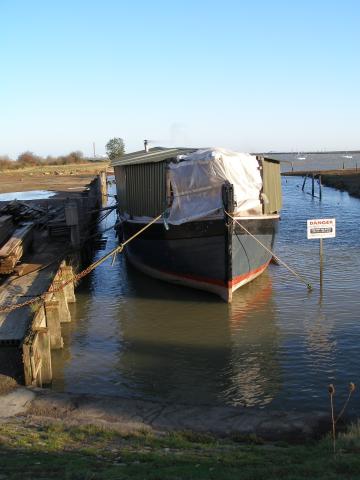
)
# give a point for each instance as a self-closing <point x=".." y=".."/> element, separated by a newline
<point x="136" y="415"/>
<point x="344" y="180"/>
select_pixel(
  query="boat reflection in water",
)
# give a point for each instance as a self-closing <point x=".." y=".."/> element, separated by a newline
<point x="254" y="372"/>
<point x="198" y="350"/>
<point x="193" y="350"/>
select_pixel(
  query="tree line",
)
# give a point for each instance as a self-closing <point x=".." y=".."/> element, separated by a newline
<point x="29" y="159"/>
<point x="115" y="147"/>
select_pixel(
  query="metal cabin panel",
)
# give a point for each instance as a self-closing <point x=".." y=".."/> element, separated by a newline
<point x="154" y="155"/>
<point x="271" y="185"/>
<point x="145" y="189"/>
<point x="120" y="177"/>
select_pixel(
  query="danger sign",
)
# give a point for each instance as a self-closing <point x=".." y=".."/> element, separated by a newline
<point x="321" y="228"/>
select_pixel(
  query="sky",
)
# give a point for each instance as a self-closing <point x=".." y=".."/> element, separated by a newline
<point x="245" y="75"/>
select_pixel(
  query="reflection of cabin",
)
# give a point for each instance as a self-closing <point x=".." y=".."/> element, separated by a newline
<point x="143" y="190"/>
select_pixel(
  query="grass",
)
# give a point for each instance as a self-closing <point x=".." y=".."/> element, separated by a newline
<point x="38" y="451"/>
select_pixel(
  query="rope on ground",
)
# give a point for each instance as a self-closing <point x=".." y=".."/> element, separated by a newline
<point x="302" y="279"/>
<point x="79" y="276"/>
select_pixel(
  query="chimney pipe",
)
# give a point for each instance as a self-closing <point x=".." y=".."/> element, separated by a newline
<point x="146" y="146"/>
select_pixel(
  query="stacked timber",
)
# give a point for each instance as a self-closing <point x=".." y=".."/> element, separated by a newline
<point x="12" y="251"/>
<point x="6" y="228"/>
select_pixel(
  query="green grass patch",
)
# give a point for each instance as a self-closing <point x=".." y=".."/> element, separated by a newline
<point x="30" y="451"/>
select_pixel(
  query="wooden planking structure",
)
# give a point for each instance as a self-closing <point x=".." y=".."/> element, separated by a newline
<point x="28" y="334"/>
<point x="32" y="331"/>
<point x="6" y="227"/>
<point x="12" y="251"/>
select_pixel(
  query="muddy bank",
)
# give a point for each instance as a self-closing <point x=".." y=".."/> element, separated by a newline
<point x="346" y="180"/>
<point x="349" y="182"/>
<point x="129" y="415"/>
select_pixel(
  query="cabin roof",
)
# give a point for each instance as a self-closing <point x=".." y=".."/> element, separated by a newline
<point x="155" y="154"/>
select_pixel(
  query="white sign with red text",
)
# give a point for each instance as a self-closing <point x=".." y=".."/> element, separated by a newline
<point x="321" y="228"/>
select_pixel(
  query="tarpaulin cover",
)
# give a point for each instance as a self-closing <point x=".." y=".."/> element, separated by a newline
<point x="197" y="181"/>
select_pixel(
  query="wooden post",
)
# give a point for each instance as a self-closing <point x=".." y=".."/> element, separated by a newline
<point x="53" y="323"/>
<point x="321" y="262"/>
<point x="303" y="186"/>
<point x="313" y="185"/>
<point x="320" y="188"/>
<point x="46" y="369"/>
<point x="68" y="274"/>
<point x="103" y="183"/>
<point x="72" y="220"/>
<point x="60" y="297"/>
<point x="27" y="364"/>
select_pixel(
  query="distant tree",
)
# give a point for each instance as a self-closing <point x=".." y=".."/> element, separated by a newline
<point x="28" y="159"/>
<point x="115" y="147"/>
<point x="6" y="163"/>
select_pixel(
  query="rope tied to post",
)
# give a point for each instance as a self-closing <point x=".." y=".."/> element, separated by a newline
<point x="302" y="279"/>
<point x="82" y="274"/>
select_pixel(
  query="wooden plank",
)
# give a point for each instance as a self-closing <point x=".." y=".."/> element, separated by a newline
<point x="6" y="228"/>
<point x="14" y="248"/>
<point x="17" y="238"/>
<point x="13" y="325"/>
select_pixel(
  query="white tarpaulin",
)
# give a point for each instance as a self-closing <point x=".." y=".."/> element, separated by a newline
<point x="197" y="181"/>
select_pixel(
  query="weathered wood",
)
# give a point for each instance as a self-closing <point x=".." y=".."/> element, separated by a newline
<point x="313" y="185"/>
<point x="53" y="323"/>
<point x="6" y="228"/>
<point x="303" y="185"/>
<point x="28" y="379"/>
<point x="67" y="275"/>
<point x="13" y="250"/>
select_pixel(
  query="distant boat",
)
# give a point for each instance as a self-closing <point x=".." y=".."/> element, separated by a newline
<point x="347" y="156"/>
<point x="300" y="158"/>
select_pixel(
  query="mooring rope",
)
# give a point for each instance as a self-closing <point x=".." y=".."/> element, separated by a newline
<point x="302" y="279"/>
<point x="79" y="276"/>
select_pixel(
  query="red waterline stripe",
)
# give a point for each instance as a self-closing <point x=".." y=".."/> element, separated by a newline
<point x="240" y="278"/>
<point x="221" y="283"/>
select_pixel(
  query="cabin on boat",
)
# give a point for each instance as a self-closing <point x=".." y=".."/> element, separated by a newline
<point x="144" y="187"/>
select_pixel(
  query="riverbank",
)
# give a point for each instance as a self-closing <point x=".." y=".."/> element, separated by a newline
<point x="345" y="180"/>
<point x="136" y="415"/>
<point x="55" y="178"/>
<point x="348" y="181"/>
<point x="39" y="447"/>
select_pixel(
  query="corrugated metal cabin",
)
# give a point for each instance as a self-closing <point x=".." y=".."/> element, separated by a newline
<point x="143" y="190"/>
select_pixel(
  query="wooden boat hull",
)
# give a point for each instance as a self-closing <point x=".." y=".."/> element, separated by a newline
<point x="213" y="255"/>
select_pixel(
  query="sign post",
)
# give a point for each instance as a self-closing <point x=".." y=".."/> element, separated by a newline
<point x="321" y="228"/>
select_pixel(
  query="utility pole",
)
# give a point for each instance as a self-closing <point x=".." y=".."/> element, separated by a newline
<point x="94" y="149"/>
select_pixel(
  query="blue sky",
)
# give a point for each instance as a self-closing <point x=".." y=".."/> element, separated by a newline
<point x="247" y="75"/>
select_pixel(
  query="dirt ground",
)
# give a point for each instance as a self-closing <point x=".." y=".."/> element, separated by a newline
<point x="59" y="178"/>
<point x="7" y="384"/>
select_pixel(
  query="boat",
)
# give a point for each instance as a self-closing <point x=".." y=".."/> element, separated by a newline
<point x="347" y="156"/>
<point x="219" y="209"/>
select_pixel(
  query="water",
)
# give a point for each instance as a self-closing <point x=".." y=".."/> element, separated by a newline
<point x="30" y="195"/>
<point x="317" y="161"/>
<point x="275" y="346"/>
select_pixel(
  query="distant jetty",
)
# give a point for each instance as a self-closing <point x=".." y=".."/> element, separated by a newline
<point x="346" y="180"/>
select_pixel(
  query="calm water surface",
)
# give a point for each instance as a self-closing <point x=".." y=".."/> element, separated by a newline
<point x="275" y="346"/>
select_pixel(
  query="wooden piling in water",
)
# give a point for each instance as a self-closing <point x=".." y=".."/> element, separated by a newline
<point x="303" y="185"/>
<point x="45" y="331"/>
<point x="313" y="185"/>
